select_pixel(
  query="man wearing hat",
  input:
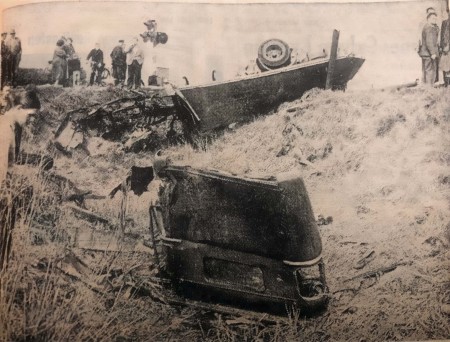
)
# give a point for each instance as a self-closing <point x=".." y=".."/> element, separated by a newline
<point x="150" y="34"/>
<point x="119" y="63"/>
<point x="96" y="57"/>
<point x="15" y="49"/>
<point x="429" y="50"/>
<point x="5" y="61"/>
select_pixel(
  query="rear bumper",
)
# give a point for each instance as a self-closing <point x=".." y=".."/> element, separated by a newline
<point x="227" y="275"/>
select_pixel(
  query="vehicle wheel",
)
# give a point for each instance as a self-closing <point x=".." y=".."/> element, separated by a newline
<point x="105" y="73"/>
<point x="274" y="53"/>
<point x="261" y="65"/>
<point x="162" y="37"/>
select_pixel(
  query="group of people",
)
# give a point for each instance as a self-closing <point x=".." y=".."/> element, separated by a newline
<point x="11" y="53"/>
<point x="65" y="61"/>
<point x="125" y="60"/>
<point x="122" y="58"/>
<point x="66" y="66"/>
<point x="435" y="52"/>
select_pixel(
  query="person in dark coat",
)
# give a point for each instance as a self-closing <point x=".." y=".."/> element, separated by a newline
<point x="433" y="10"/>
<point x="119" y="63"/>
<point x="5" y="61"/>
<point x="96" y="57"/>
<point x="429" y="50"/>
<point x="73" y="62"/>
<point x="59" y="64"/>
<point x="15" y="50"/>
<point x="444" y="62"/>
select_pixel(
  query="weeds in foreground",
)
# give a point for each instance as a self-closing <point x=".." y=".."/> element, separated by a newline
<point x="46" y="296"/>
<point x="42" y="301"/>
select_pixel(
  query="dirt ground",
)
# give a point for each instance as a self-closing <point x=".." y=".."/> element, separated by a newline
<point x="376" y="162"/>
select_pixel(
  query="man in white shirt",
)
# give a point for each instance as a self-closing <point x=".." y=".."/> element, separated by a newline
<point x="20" y="106"/>
<point x="135" y="58"/>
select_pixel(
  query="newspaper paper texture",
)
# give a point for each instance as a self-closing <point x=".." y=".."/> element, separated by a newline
<point x="162" y="161"/>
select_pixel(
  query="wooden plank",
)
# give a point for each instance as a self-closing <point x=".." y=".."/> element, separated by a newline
<point x="228" y="310"/>
<point x="88" y="215"/>
<point x="333" y="57"/>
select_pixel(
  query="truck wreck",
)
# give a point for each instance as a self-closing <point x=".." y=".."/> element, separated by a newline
<point x="157" y="116"/>
<point x="242" y="241"/>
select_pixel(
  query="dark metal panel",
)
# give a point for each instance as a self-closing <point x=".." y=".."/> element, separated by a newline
<point x="272" y="219"/>
<point x="238" y="239"/>
<point x="221" y="104"/>
<point x="276" y="281"/>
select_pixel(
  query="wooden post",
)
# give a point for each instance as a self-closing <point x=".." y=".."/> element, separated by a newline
<point x="332" y="62"/>
<point x="7" y="218"/>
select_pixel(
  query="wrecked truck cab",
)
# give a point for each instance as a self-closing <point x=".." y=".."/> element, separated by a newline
<point x="242" y="240"/>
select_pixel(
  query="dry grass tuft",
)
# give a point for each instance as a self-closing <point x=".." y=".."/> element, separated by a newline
<point x="47" y="293"/>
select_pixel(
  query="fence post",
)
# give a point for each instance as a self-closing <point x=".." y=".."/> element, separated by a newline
<point x="333" y="57"/>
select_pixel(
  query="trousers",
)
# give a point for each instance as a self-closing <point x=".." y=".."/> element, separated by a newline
<point x="429" y="70"/>
<point x="134" y="75"/>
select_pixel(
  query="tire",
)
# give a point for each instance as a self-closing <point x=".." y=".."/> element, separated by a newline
<point x="162" y="37"/>
<point x="105" y="73"/>
<point x="274" y="53"/>
<point x="261" y="65"/>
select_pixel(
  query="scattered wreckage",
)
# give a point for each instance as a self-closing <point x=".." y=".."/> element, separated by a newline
<point x="117" y="120"/>
<point x="169" y="114"/>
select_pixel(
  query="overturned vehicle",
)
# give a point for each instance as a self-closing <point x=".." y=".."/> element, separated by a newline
<point x="154" y="117"/>
<point x="246" y="242"/>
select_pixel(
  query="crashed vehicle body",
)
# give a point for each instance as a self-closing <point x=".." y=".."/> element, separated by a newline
<point x="282" y="78"/>
<point x="242" y="240"/>
<point x="153" y="117"/>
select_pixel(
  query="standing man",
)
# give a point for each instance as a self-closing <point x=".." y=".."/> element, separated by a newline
<point x="96" y="57"/>
<point x="119" y="63"/>
<point x="444" y="62"/>
<point x="73" y="62"/>
<point x="429" y="50"/>
<point x="135" y="58"/>
<point x="151" y="33"/>
<point x="433" y="10"/>
<point x="15" y="50"/>
<point x="5" y="61"/>
<point x="11" y="126"/>
<point x="59" y="64"/>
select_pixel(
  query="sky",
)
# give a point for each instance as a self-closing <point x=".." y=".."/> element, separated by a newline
<point x="225" y="37"/>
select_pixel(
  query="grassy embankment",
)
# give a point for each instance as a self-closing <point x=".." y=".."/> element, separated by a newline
<point x="377" y="162"/>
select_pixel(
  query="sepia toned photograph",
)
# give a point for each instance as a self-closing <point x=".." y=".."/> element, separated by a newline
<point x="227" y="171"/>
